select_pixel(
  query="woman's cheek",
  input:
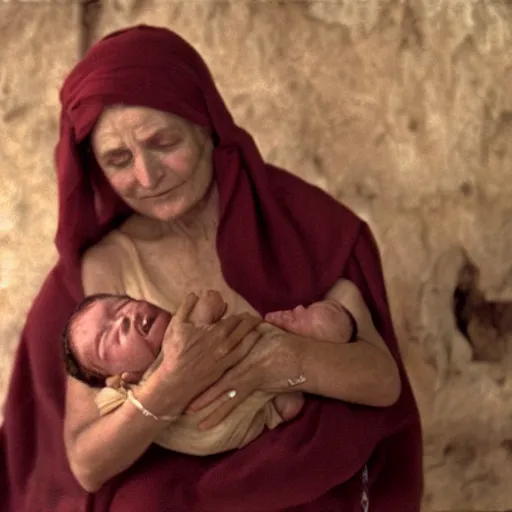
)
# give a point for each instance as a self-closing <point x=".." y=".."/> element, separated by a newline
<point x="178" y="165"/>
<point x="122" y="185"/>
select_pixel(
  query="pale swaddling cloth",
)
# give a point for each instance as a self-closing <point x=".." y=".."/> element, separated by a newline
<point x="243" y="425"/>
<point x="325" y="319"/>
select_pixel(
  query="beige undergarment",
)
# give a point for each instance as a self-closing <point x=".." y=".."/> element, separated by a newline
<point x="243" y="425"/>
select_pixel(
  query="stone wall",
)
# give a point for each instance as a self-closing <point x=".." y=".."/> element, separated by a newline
<point x="400" y="108"/>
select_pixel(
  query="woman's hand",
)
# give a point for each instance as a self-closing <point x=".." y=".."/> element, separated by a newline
<point x="194" y="357"/>
<point x="268" y="366"/>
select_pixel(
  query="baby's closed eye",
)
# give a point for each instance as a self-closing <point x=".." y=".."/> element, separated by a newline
<point x="125" y="325"/>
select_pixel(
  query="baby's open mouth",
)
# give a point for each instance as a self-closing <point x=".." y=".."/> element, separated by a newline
<point x="144" y="326"/>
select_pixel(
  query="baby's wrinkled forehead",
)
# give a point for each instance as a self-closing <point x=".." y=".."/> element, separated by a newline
<point x="87" y="321"/>
<point x="88" y="311"/>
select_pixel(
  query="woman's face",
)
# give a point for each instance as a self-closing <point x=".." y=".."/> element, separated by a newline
<point x="158" y="163"/>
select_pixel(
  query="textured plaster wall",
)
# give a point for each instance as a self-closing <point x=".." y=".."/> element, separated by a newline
<point x="38" y="44"/>
<point x="400" y="108"/>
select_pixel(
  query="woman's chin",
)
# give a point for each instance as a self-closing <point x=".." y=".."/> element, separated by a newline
<point x="175" y="209"/>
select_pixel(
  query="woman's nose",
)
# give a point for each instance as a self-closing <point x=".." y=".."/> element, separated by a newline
<point x="148" y="171"/>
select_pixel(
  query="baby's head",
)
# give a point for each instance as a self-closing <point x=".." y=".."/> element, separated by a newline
<point x="112" y="334"/>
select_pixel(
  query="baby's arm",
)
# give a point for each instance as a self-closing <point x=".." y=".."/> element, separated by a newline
<point x="348" y="295"/>
<point x="328" y="321"/>
<point x="340" y="317"/>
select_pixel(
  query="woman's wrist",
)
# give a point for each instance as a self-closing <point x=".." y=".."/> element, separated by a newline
<point x="160" y="395"/>
<point x="146" y="412"/>
<point x="294" y="350"/>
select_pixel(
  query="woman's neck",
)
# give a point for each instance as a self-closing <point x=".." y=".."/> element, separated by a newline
<point x="200" y="222"/>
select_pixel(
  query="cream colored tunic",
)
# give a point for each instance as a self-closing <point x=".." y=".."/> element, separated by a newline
<point x="243" y="425"/>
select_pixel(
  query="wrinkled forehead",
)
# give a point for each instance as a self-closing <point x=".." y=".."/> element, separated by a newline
<point x="88" y="321"/>
<point x="142" y="122"/>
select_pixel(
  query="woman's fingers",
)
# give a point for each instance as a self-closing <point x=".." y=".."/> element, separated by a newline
<point x="185" y="309"/>
<point x="247" y="324"/>
<point x="240" y="352"/>
<point x="210" y="308"/>
<point x="232" y="373"/>
<point x="237" y="325"/>
<point x="203" y="354"/>
<point x="231" y="331"/>
<point x="227" y="404"/>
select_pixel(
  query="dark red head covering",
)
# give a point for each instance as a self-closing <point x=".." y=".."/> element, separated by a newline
<point x="281" y="242"/>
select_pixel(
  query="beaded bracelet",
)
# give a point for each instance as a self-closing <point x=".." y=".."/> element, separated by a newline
<point x="144" y="411"/>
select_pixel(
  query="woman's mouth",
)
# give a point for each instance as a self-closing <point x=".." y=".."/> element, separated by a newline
<point x="158" y="196"/>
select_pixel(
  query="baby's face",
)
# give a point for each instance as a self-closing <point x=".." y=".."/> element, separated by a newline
<point x="119" y="334"/>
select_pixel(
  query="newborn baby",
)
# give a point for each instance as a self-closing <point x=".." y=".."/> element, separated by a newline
<point x="131" y="347"/>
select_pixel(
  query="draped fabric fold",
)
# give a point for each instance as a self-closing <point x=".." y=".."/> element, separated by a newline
<point x="281" y="242"/>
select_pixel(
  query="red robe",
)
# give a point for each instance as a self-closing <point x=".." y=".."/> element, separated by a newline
<point x="281" y="242"/>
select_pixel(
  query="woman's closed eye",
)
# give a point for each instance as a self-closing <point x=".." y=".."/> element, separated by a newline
<point x="164" y="144"/>
<point x="119" y="165"/>
<point x="117" y="159"/>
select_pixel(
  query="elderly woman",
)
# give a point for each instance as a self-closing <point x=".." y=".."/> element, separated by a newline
<point x="160" y="190"/>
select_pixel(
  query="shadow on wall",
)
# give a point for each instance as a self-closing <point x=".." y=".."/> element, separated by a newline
<point x="457" y="325"/>
<point x="485" y="324"/>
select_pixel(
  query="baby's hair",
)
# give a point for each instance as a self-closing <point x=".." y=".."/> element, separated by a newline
<point x="73" y="367"/>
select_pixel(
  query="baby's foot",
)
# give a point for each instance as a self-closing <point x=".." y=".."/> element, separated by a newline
<point x="209" y="308"/>
<point x="289" y="405"/>
<point x="326" y="320"/>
